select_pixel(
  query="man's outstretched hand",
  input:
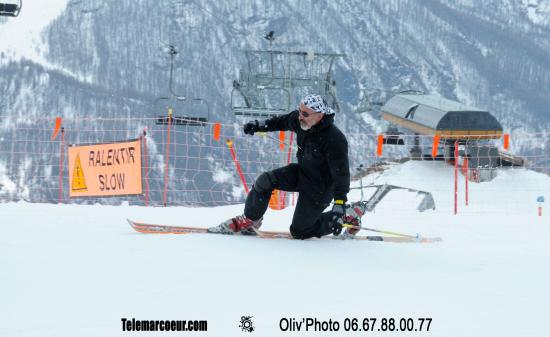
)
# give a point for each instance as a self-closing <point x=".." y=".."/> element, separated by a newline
<point x="251" y="127"/>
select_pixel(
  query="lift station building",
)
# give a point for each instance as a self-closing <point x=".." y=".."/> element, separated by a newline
<point x="426" y="114"/>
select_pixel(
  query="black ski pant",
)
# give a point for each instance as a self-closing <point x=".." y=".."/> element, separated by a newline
<point x="308" y="220"/>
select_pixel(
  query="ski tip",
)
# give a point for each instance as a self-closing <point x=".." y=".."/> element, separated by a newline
<point x="134" y="224"/>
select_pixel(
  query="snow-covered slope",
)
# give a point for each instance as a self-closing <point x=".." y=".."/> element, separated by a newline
<point x="73" y="270"/>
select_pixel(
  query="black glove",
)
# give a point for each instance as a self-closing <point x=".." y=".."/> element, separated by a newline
<point x="254" y="126"/>
<point x="338" y="214"/>
<point x="251" y="127"/>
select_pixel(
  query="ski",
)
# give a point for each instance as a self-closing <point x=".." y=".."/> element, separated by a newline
<point x="147" y="228"/>
<point x="163" y="229"/>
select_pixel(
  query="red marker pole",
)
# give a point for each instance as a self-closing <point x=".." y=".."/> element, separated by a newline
<point x="61" y="152"/>
<point x="144" y="137"/>
<point x="379" y="145"/>
<point x="456" y="177"/>
<point x="217" y="131"/>
<point x="229" y="143"/>
<point x="506" y="141"/>
<point x="435" y="145"/>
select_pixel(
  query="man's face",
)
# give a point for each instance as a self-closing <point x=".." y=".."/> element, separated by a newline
<point x="308" y="118"/>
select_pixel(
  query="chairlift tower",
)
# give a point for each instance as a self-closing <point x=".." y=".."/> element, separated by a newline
<point x="273" y="81"/>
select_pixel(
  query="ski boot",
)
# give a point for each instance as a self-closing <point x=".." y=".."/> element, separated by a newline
<point x="353" y="217"/>
<point x="240" y="223"/>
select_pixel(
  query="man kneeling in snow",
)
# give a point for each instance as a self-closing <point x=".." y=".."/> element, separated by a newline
<point x="321" y="174"/>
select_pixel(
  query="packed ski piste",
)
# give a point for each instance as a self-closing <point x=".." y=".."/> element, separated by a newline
<point x="271" y="204"/>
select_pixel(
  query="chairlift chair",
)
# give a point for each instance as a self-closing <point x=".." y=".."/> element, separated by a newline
<point x="392" y="136"/>
<point x="10" y="9"/>
<point x="257" y="109"/>
<point x="272" y="79"/>
<point x="175" y="98"/>
<point x="177" y="119"/>
<point x="393" y="140"/>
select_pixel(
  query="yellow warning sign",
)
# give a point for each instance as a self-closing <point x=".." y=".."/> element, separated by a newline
<point x="102" y="170"/>
<point x="78" y="183"/>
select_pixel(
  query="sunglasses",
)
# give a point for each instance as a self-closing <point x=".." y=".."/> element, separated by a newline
<point x="305" y="113"/>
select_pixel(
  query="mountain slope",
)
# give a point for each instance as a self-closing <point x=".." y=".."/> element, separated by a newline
<point x="106" y="57"/>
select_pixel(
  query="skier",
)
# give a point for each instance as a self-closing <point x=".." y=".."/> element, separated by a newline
<point x="321" y="174"/>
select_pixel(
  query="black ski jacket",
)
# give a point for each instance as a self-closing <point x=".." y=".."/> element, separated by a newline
<point x="322" y="156"/>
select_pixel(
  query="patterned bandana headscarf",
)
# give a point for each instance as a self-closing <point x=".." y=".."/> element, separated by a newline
<point x="317" y="104"/>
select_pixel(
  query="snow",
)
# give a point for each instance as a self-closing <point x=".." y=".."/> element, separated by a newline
<point x="78" y="269"/>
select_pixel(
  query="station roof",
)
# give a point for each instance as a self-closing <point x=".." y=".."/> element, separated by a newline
<point x="431" y="115"/>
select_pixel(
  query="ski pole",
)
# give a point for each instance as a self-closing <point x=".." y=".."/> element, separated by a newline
<point x="277" y="140"/>
<point x="347" y="225"/>
<point x="360" y="168"/>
